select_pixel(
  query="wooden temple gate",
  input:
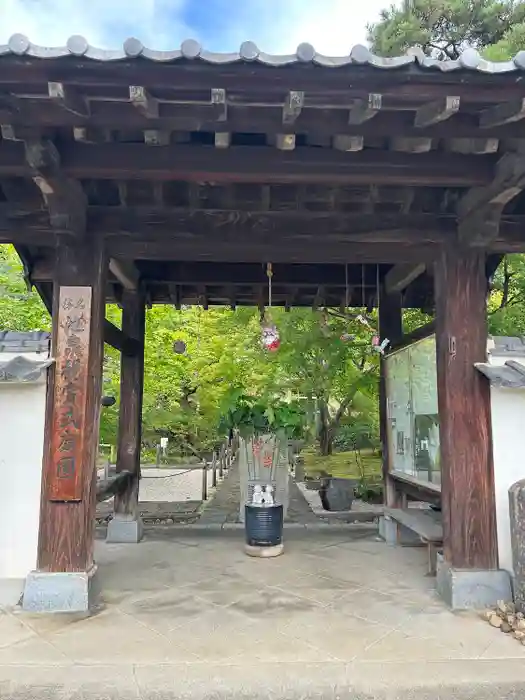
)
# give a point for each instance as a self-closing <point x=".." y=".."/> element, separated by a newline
<point x="143" y="177"/>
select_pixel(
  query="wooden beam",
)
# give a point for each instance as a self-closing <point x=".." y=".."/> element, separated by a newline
<point x="130" y="410"/>
<point x="219" y="102"/>
<point x="364" y="110"/>
<point x="68" y="98"/>
<point x="63" y="196"/>
<point x="391" y="327"/>
<point x="505" y="113"/>
<point x="66" y="534"/>
<point x="477" y="146"/>
<point x="126" y="273"/>
<point x="480" y="209"/>
<point x="140" y="98"/>
<point x="436" y="112"/>
<point x="257" y="164"/>
<point x="293" y="106"/>
<point x="119" y="340"/>
<point x="467" y="479"/>
<point x="412" y="145"/>
<point x="399" y="277"/>
<point x="349" y="144"/>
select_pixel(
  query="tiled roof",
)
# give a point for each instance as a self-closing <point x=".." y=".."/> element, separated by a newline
<point x="20" y="369"/>
<point x="509" y="376"/>
<point x="34" y="341"/>
<point x="507" y="345"/>
<point x="470" y="59"/>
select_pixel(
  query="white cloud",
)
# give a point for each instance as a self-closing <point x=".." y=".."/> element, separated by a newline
<point x="332" y="26"/>
<point x="105" y="23"/>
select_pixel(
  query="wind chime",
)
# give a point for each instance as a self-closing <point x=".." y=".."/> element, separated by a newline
<point x="269" y="334"/>
<point x="378" y="345"/>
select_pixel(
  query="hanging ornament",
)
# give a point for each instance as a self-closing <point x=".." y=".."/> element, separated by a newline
<point x="380" y="345"/>
<point x="179" y="347"/>
<point x="269" y="333"/>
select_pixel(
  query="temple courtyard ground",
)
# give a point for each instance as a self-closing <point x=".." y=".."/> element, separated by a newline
<point x="186" y="614"/>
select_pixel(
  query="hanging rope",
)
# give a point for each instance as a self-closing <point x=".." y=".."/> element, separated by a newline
<point x="269" y="274"/>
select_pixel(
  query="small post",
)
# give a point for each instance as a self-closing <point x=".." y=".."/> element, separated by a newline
<point x="214" y="470"/>
<point x="157" y="461"/>
<point x="221" y="466"/>
<point x="205" y="481"/>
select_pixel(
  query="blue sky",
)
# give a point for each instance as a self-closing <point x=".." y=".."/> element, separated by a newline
<point x="277" y="26"/>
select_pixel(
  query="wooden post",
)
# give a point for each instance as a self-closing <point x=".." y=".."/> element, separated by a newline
<point x="467" y="480"/>
<point x="214" y="470"/>
<point x="67" y="514"/>
<point x="126" y="526"/>
<point x="205" y="481"/>
<point x="391" y="327"/>
<point x="221" y="465"/>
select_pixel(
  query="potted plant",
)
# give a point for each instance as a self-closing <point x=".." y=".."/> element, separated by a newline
<point x="264" y="429"/>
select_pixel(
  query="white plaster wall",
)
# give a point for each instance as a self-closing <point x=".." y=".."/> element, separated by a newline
<point x="22" y="416"/>
<point x="508" y="435"/>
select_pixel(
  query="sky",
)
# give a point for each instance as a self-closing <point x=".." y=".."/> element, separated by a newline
<point x="276" y="26"/>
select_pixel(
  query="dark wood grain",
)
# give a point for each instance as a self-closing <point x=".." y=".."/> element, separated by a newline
<point x="464" y="409"/>
<point x="66" y="529"/>
<point x="130" y="411"/>
<point x="391" y="327"/>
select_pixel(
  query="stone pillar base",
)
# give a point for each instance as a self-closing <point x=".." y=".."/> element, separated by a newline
<point x="122" y="530"/>
<point x="471" y="589"/>
<point x="60" y="592"/>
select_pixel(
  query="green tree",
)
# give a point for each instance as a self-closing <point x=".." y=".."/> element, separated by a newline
<point x="444" y="28"/>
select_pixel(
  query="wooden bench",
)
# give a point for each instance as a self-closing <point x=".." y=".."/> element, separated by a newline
<point x="425" y="524"/>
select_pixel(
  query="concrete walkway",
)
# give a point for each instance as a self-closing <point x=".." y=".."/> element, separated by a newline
<point x="188" y="616"/>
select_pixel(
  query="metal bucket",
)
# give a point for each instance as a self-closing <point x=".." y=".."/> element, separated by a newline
<point x="263" y="525"/>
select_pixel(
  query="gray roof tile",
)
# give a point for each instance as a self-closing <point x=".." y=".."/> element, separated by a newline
<point x="32" y="341"/>
<point x="20" y="369"/>
<point x="510" y="376"/>
<point x="20" y="45"/>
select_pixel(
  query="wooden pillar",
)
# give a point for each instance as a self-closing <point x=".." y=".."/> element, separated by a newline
<point x="67" y="514"/>
<point x="468" y="504"/>
<point x="391" y="327"/>
<point x="130" y="415"/>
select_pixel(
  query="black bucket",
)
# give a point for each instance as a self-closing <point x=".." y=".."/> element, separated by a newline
<point x="263" y="525"/>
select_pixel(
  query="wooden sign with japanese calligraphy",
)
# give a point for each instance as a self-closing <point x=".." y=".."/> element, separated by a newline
<point x="64" y="480"/>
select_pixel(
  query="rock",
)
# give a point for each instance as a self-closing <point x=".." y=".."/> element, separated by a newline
<point x="511" y="619"/>
<point x="486" y="615"/>
<point x="520" y="625"/>
<point x="517" y="634"/>
<point x="505" y="627"/>
<point x="520" y="616"/>
<point x="505" y="608"/>
<point x="495" y="620"/>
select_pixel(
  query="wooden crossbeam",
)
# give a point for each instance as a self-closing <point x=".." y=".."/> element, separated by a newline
<point x="140" y="98"/>
<point x="218" y="100"/>
<point x="480" y="209"/>
<point x="64" y="197"/>
<point x="349" y="144"/>
<point x="364" y="110"/>
<point x="411" y="145"/>
<point x="435" y="112"/>
<point x="477" y="146"/>
<point x="293" y="106"/>
<point x="255" y="164"/>
<point x="126" y="273"/>
<point x="120" y="341"/>
<point x="67" y="98"/>
<point x="400" y="276"/>
<point x="505" y="113"/>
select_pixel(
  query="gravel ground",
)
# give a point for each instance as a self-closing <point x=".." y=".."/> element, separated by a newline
<point x="172" y="484"/>
<point x="175" y="485"/>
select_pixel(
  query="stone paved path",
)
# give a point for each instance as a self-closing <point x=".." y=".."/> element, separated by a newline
<point x="224" y="507"/>
<point x="188" y="616"/>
